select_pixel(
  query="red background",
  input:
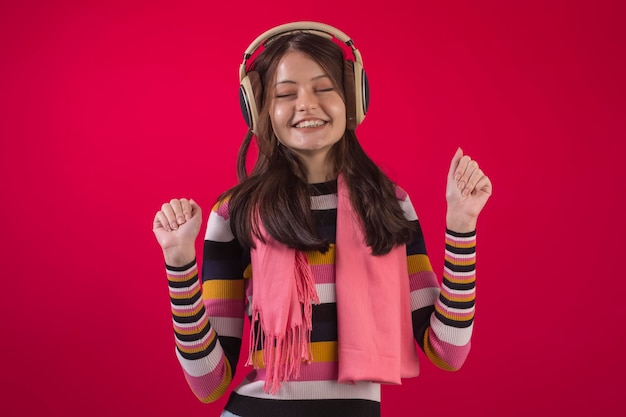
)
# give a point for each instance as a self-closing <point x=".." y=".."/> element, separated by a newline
<point x="110" y="108"/>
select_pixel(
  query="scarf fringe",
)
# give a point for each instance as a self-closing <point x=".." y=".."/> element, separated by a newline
<point x="282" y="362"/>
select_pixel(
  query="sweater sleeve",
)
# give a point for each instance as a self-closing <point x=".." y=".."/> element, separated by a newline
<point x="208" y="314"/>
<point x="443" y="315"/>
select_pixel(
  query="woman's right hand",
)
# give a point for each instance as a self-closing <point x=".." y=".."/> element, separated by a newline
<point x="176" y="227"/>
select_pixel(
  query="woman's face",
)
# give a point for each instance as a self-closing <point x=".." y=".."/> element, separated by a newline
<point x="307" y="112"/>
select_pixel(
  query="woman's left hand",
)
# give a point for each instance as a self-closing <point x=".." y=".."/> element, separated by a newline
<point x="467" y="192"/>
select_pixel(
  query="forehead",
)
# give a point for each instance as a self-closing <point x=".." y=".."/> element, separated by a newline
<point x="296" y="65"/>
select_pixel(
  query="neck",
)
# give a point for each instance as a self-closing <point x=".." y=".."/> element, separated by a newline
<point x="316" y="179"/>
<point x="317" y="173"/>
<point x="317" y="167"/>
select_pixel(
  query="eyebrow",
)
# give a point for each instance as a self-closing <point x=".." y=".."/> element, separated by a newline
<point x="293" y="82"/>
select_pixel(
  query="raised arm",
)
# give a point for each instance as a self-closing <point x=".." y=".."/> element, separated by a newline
<point x="443" y="316"/>
<point x="207" y="315"/>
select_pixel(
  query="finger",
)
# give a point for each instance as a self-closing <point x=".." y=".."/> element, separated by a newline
<point x="463" y="171"/>
<point x="185" y="208"/>
<point x="170" y="215"/>
<point x="161" y="222"/>
<point x="177" y="206"/>
<point x="472" y="181"/>
<point x="483" y="185"/>
<point x="455" y="162"/>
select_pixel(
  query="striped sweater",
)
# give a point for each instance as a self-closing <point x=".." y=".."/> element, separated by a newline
<point x="209" y="318"/>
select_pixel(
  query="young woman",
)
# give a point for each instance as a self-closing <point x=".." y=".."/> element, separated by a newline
<point x="318" y="247"/>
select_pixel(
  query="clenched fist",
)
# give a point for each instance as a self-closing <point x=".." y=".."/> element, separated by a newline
<point x="467" y="192"/>
<point x="176" y="227"/>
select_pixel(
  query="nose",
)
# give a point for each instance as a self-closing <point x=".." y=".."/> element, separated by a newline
<point x="307" y="100"/>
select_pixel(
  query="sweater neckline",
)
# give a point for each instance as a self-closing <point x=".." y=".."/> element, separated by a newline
<point x="323" y="188"/>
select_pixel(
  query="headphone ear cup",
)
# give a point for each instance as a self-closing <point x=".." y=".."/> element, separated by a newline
<point x="356" y="90"/>
<point x="362" y="94"/>
<point x="363" y="100"/>
<point x="349" y="92"/>
<point x="250" y="98"/>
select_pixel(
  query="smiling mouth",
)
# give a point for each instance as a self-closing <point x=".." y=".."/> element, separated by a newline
<point x="309" y="124"/>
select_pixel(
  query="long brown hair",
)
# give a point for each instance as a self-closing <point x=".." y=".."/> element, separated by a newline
<point x="276" y="190"/>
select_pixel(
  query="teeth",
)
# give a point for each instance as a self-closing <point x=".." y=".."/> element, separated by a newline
<point x="310" y="123"/>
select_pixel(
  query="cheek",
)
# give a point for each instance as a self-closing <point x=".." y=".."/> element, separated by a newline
<point x="279" y="115"/>
<point x="279" y="119"/>
<point x="339" y="113"/>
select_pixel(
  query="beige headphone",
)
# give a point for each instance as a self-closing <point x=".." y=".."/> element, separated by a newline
<point x="356" y="88"/>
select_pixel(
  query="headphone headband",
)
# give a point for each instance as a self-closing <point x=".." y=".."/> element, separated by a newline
<point x="319" y="29"/>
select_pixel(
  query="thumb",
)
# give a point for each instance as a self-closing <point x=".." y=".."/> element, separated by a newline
<point x="455" y="162"/>
<point x="195" y="208"/>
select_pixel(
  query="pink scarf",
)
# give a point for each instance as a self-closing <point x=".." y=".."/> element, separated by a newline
<point x="375" y="335"/>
